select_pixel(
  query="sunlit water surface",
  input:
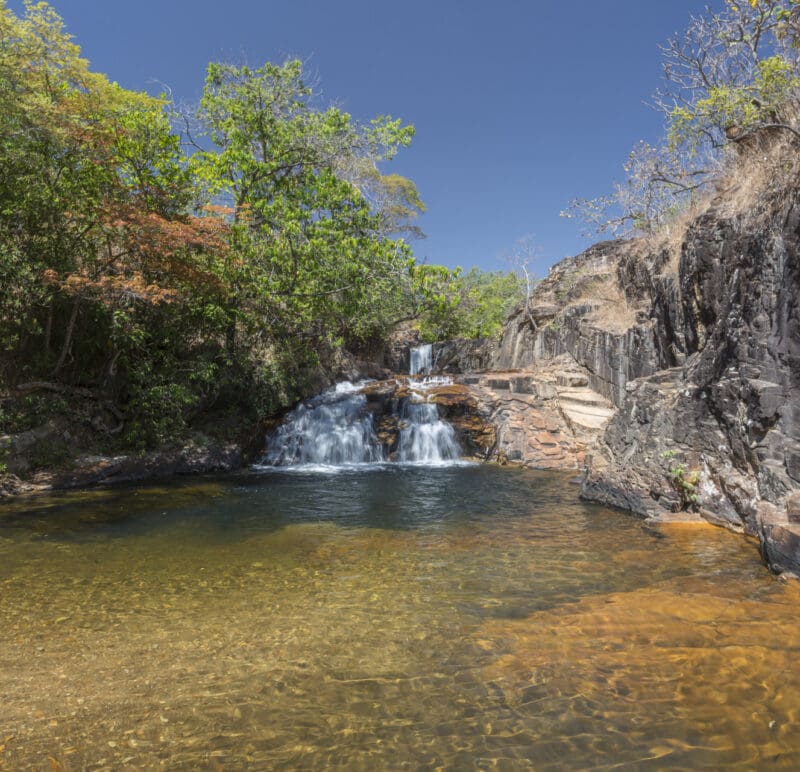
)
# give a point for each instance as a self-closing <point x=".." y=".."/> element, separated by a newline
<point x="463" y="618"/>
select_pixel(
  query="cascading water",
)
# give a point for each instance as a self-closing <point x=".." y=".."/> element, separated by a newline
<point x="335" y="429"/>
<point x="424" y="437"/>
<point x="332" y="429"/>
<point x="420" y="360"/>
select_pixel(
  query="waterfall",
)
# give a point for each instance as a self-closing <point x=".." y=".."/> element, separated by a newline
<point x="332" y="429"/>
<point x="335" y="430"/>
<point x="424" y="437"/>
<point x="420" y="359"/>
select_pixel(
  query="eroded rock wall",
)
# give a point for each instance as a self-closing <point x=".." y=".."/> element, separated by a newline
<point x="559" y="319"/>
<point x="700" y="353"/>
<point x="729" y="414"/>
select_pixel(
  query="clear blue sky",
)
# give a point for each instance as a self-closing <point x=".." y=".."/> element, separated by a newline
<point x="519" y="105"/>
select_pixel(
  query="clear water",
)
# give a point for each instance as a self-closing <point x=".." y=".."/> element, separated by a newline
<point x="455" y="618"/>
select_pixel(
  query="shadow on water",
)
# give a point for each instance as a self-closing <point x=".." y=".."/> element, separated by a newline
<point x="380" y="496"/>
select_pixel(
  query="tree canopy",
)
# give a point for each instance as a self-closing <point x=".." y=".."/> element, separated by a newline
<point x="170" y="273"/>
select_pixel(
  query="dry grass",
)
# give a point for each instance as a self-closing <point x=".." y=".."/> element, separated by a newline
<point x="753" y="188"/>
<point x="613" y="313"/>
<point x="610" y="308"/>
<point x="669" y="238"/>
<point x="758" y="180"/>
<point x="753" y="185"/>
<point x="755" y="180"/>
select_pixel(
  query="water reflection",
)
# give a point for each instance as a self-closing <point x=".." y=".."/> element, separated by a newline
<point x="462" y="618"/>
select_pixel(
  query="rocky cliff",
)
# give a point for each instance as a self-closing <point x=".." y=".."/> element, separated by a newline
<point x="696" y="343"/>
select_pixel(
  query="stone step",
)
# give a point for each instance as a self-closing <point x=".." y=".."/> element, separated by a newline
<point x="498" y="384"/>
<point x="527" y="384"/>
<point x="571" y="379"/>
<point x="587" y="416"/>
<point x="583" y="397"/>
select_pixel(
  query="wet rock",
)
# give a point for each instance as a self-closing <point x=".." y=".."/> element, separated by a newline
<point x="503" y="384"/>
<point x="399" y="342"/>
<point x="387" y="430"/>
<point x="11" y="485"/>
<point x="780" y="545"/>
<point x="456" y="403"/>
<point x="107" y="470"/>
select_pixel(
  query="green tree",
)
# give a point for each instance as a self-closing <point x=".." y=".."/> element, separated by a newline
<point x="128" y="267"/>
<point x="468" y="305"/>
<point x="311" y="258"/>
<point x="97" y="244"/>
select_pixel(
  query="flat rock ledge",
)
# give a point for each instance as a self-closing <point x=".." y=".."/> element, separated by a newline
<point x="544" y="418"/>
<point x="91" y="470"/>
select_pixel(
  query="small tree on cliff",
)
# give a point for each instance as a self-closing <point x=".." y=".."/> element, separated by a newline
<point x="732" y="75"/>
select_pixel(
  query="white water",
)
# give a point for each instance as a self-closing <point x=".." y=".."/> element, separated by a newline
<point x="424" y="438"/>
<point x="331" y="430"/>
<point x="336" y="431"/>
<point x="420" y="360"/>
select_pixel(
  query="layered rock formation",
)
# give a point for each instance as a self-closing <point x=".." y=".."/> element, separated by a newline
<point x="697" y="347"/>
<point x="544" y="418"/>
<point x="455" y="403"/>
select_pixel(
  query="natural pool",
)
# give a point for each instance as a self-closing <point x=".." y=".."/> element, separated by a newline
<point x="461" y="617"/>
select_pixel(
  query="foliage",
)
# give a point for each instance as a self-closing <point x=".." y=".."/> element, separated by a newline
<point x="169" y="285"/>
<point x="314" y="260"/>
<point x="472" y="305"/>
<point x="685" y="483"/>
<point x="656" y="188"/>
<point x="732" y="75"/>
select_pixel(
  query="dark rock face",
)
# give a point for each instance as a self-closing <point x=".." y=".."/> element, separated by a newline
<point x="462" y="355"/>
<point x="704" y="371"/>
<point x="396" y="348"/>
<point x="108" y="470"/>
<point x="731" y="410"/>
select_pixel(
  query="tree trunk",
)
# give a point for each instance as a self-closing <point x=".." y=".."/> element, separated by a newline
<point x="48" y="332"/>
<point x="62" y="357"/>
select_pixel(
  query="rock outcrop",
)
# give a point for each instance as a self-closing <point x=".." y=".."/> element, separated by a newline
<point x="543" y="418"/>
<point x="89" y="470"/>
<point x="698" y="350"/>
<point x="455" y="402"/>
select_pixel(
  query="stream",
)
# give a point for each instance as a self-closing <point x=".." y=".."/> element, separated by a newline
<point x="385" y="616"/>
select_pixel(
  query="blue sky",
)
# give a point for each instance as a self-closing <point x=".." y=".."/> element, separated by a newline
<point x="519" y="105"/>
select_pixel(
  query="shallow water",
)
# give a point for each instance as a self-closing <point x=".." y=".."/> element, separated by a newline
<point x="464" y="618"/>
